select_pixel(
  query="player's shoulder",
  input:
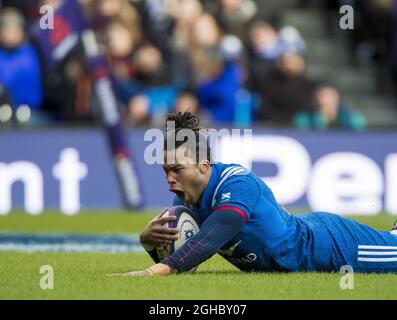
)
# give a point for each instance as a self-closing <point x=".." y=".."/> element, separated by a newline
<point x="228" y="170"/>
<point x="234" y="172"/>
<point x="237" y="185"/>
<point x="233" y="178"/>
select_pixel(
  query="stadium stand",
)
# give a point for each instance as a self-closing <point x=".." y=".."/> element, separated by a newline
<point x="214" y="55"/>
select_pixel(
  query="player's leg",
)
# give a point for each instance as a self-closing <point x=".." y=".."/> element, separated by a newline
<point x="360" y="246"/>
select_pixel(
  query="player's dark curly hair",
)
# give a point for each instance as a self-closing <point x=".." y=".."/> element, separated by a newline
<point x="189" y="122"/>
<point x="185" y="120"/>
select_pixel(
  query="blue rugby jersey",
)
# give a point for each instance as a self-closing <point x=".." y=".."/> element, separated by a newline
<point x="273" y="240"/>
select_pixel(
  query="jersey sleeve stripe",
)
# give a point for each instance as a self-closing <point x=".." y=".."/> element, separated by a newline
<point x="238" y="210"/>
<point x="224" y="172"/>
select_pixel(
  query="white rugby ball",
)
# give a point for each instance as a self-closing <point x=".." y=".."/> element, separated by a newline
<point x="188" y="225"/>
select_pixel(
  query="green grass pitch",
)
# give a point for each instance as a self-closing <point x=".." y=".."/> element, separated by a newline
<point x="82" y="275"/>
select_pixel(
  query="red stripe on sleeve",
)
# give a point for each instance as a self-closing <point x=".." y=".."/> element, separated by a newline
<point x="238" y="210"/>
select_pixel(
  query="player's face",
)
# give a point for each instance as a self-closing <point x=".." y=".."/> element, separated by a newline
<point x="185" y="178"/>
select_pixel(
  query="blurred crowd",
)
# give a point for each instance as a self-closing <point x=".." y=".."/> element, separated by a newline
<point x="223" y="59"/>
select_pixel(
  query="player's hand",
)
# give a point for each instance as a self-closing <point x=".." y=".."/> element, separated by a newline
<point x="142" y="273"/>
<point x="158" y="269"/>
<point x="157" y="232"/>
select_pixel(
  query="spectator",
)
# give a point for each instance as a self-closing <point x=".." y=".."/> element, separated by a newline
<point x="184" y="13"/>
<point x="157" y="23"/>
<point x="19" y="68"/>
<point x="265" y="42"/>
<point x="329" y="113"/>
<point x="264" y="50"/>
<point x="292" y="40"/>
<point x="266" y="46"/>
<point x="122" y="42"/>
<point x="215" y="81"/>
<point x="156" y="93"/>
<point x="108" y="10"/>
<point x="204" y="36"/>
<point x="286" y="90"/>
<point x="216" y="92"/>
<point x="220" y="90"/>
<point x="234" y="16"/>
<point x="219" y="69"/>
<point x="27" y="7"/>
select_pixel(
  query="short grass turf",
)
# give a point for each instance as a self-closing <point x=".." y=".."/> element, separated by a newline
<point x="82" y="275"/>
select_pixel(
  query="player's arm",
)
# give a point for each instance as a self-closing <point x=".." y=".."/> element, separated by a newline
<point x="222" y="225"/>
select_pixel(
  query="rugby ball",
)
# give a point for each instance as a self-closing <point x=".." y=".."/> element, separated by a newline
<point x="186" y="222"/>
